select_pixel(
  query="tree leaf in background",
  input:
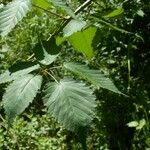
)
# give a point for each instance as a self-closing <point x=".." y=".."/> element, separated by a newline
<point x="82" y="41"/>
<point x="20" y="94"/>
<point x="70" y="102"/>
<point x="46" y="52"/>
<point x="12" y="13"/>
<point x="93" y="76"/>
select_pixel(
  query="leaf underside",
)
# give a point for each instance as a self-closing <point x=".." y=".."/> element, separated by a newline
<point x="70" y="102"/>
<point x="19" y="94"/>
<point x="8" y="76"/>
<point x="12" y="14"/>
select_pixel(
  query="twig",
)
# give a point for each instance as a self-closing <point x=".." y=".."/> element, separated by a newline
<point x="56" y="67"/>
<point x="81" y="7"/>
<point x="60" y="16"/>
<point x="30" y="57"/>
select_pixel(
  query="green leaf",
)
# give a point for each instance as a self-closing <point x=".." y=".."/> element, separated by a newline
<point x="61" y="4"/>
<point x="19" y="94"/>
<point x="70" y="102"/>
<point x="82" y="41"/>
<point x="148" y="142"/>
<point x="46" y="52"/>
<point x="114" y="13"/>
<point x="17" y="71"/>
<point x="12" y="14"/>
<point x="132" y="124"/>
<point x="140" y="13"/>
<point x="93" y="76"/>
<point x="141" y="124"/>
<point x="60" y="40"/>
<point x="42" y="3"/>
<point x="73" y="26"/>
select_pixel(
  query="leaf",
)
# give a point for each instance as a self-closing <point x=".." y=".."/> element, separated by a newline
<point x="12" y="14"/>
<point x="70" y="102"/>
<point x="19" y="94"/>
<point x="17" y="71"/>
<point x="141" y="124"/>
<point x="140" y="13"/>
<point x="42" y="3"/>
<point x="60" y="40"/>
<point x="73" y="26"/>
<point x="61" y="4"/>
<point x="93" y="76"/>
<point x="82" y="41"/>
<point x="114" y="13"/>
<point x="148" y="142"/>
<point x="46" y="52"/>
<point x="132" y="124"/>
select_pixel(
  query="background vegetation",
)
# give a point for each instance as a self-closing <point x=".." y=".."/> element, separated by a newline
<point x="121" y="51"/>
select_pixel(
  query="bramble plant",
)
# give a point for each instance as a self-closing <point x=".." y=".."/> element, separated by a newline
<point x="74" y="74"/>
<point x="69" y="100"/>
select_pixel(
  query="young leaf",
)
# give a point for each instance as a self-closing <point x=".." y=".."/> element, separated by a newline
<point x="12" y="14"/>
<point x="46" y="52"/>
<point x="132" y="124"/>
<point x="17" y="71"/>
<point x="82" y="41"/>
<point x="61" y="4"/>
<point x="73" y="26"/>
<point x="70" y="102"/>
<point x="19" y="94"/>
<point x="93" y="76"/>
<point x="114" y="13"/>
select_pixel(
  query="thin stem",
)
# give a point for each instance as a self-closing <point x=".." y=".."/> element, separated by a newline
<point x="30" y="57"/>
<point x="60" y="16"/>
<point x="56" y="67"/>
<point x="51" y="76"/>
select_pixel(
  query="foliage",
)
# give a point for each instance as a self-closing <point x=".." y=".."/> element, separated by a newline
<point x="37" y="132"/>
<point x="102" y="41"/>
